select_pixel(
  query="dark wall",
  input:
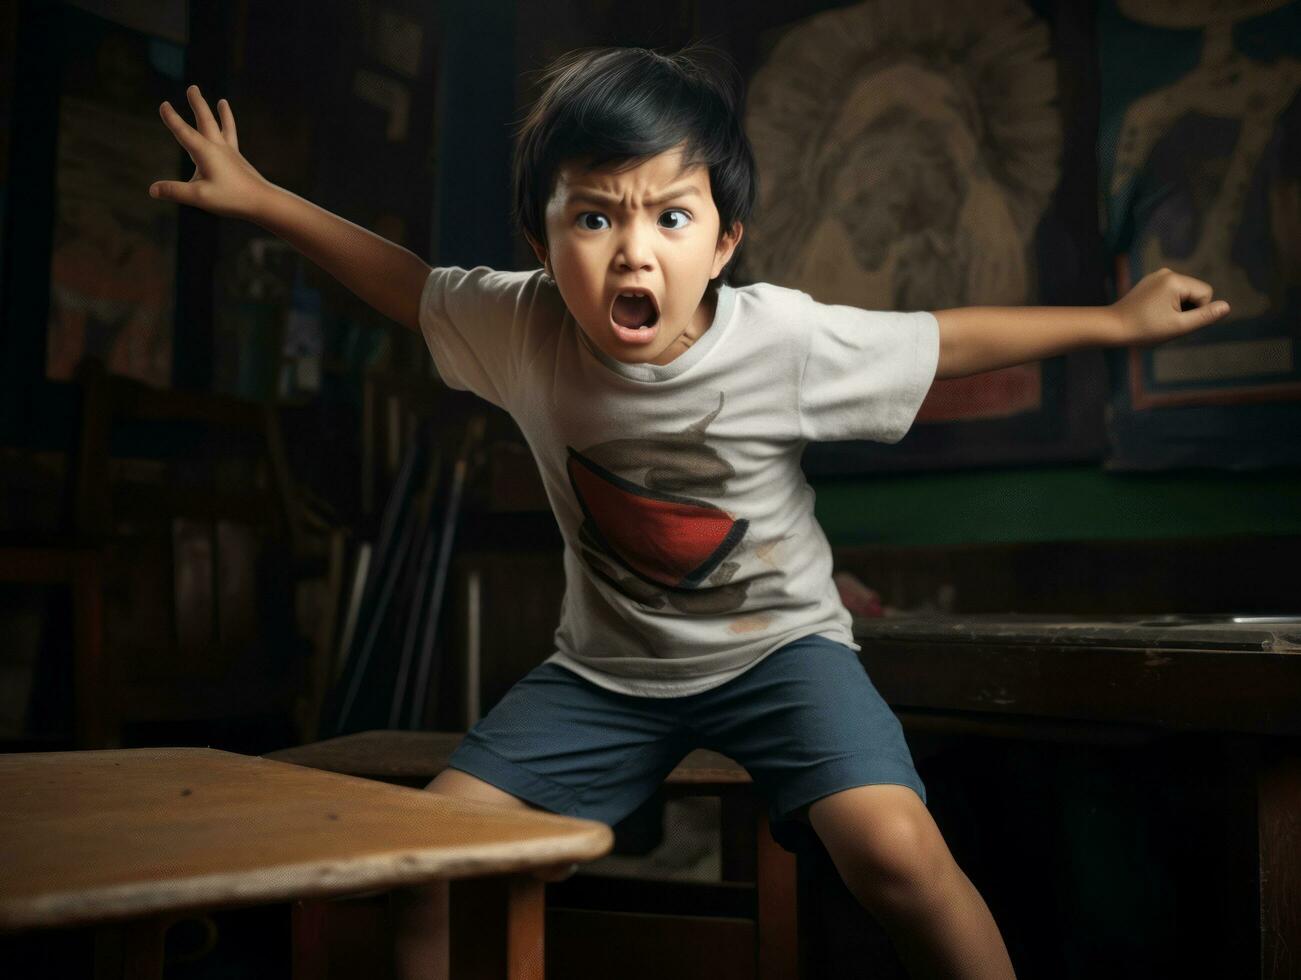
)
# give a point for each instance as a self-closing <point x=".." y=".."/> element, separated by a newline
<point x="287" y="69"/>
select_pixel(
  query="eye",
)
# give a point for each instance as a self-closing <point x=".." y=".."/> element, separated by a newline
<point x="584" y="220"/>
<point x="684" y="218"/>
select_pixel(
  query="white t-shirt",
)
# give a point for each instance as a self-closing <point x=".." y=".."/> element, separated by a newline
<point x="691" y="549"/>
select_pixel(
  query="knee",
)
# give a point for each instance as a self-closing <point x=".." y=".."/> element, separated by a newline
<point x="903" y="863"/>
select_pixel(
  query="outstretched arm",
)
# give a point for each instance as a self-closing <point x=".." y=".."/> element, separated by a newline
<point x="382" y="274"/>
<point x="981" y="338"/>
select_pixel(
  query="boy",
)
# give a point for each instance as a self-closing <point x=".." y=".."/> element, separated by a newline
<point x="667" y="411"/>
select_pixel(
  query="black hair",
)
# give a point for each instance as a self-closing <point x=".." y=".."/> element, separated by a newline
<point x="602" y="106"/>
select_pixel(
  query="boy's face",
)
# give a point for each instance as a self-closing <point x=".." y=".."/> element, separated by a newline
<point x="653" y="229"/>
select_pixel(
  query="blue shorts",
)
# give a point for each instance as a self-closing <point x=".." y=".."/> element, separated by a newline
<point x="805" y="722"/>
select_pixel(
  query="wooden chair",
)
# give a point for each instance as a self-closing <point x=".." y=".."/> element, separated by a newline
<point x="185" y="498"/>
<point x="742" y="928"/>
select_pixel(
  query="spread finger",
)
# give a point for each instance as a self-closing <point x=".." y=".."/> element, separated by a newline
<point x="207" y="125"/>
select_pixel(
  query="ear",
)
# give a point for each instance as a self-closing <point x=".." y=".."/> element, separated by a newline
<point x="727" y="243"/>
<point x="540" y="251"/>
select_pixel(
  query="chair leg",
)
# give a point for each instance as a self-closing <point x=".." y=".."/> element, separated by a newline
<point x="737" y="823"/>
<point x="94" y="729"/>
<point x="525" y="928"/>
<point x="776" y="883"/>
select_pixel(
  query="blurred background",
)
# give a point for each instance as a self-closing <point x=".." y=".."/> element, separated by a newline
<point x="238" y="508"/>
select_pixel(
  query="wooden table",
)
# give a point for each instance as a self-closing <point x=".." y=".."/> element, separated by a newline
<point x="1131" y="680"/>
<point x="753" y="924"/>
<point x="130" y="838"/>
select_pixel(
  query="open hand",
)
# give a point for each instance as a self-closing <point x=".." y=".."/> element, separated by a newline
<point x="1153" y="310"/>
<point x="223" y="182"/>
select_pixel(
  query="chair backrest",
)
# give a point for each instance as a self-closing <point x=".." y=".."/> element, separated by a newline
<point x="190" y="487"/>
<point x="220" y="456"/>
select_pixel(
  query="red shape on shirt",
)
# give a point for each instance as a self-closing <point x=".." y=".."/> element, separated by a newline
<point x="665" y="539"/>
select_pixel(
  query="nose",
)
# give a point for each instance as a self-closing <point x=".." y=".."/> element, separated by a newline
<point x="634" y="251"/>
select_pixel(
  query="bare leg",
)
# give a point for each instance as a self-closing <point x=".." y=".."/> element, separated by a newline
<point x="947" y="932"/>
<point x="419" y="914"/>
<point x="420" y="936"/>
<point x="890" y="854"/>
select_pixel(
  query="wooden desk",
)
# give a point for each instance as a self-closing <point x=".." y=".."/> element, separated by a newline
<point x="1130" y="680"/>
<point x="751" y="928"/>
<point x="135" y="836"/>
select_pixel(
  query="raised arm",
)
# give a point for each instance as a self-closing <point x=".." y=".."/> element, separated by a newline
<point x="384" y="275"/>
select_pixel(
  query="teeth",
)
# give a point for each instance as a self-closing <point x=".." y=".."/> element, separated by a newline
<point x="640" y="294"/>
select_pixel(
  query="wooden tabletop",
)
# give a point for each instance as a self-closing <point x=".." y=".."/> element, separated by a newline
<point x="418" y="757"/>
<point x="90" y="837"/>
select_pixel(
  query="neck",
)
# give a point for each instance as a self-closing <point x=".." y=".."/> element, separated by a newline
<point x="700" y="322"/>
<point x="704" y="315"/>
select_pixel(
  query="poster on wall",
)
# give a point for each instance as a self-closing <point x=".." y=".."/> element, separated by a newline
<point x="114" y="254"/>
<point x="917" y="159"/>
<point x="1200" y="171"/>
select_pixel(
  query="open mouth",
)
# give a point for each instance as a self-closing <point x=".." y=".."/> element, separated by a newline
<point x="635" y="315"/>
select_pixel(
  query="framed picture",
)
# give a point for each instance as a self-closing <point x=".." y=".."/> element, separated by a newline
<point x="92" y="258"/>
<point x="1200" y="150"/>
<point x="114" y="250"/>
<point x="924" y="159"/>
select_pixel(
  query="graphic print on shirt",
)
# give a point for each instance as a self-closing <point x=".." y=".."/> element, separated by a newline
<point x="644" y="535"/>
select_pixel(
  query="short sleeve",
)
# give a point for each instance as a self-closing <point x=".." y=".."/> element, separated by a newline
<point x="477" y="324"/>
<point x="867" y="372"/>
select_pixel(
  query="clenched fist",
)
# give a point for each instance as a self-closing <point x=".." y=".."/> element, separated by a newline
<point x="1153" y="310"/>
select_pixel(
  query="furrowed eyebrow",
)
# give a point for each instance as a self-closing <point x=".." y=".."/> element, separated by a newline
<point x="607" y="200"/>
